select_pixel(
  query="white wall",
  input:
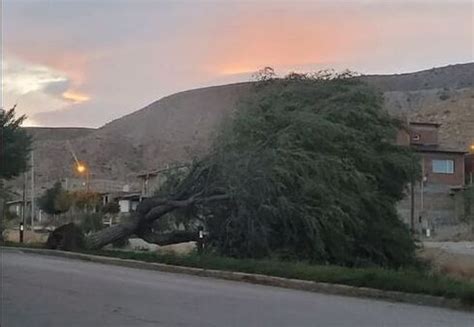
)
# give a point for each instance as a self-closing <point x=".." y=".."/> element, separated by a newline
<point x="124" y="205"/>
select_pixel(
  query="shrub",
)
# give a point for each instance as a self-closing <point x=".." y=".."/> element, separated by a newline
<point x="90" y="222"/>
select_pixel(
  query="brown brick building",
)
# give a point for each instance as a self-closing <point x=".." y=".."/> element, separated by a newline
<point x="436" y="202"/>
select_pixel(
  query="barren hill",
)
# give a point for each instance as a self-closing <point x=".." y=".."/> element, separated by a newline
<point x="58" y="134"/>
<point x="453" y="77"/>
<point x="179" y="127"/>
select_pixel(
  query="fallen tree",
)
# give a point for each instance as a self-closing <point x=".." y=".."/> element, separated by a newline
<point x="191" y="192"/>
<point x="307" y="168"/>
<point x="147" y="213"/>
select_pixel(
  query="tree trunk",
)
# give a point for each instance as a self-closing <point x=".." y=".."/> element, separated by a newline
<point x="147" y="212"/>
<point x="169" y="238"/>
<point x="111" y="234"/>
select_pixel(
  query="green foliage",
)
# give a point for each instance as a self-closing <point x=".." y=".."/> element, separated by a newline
<point x="2" y="224"/>
<point x="86" y="200"/>
<point x="313" y="173"/>
<point x="172" y="179"/>
<point x="90" y="222"/>
<point x="55" y="200"/>
<point x="469" y="204"/>
<point x="5" y="215"/>
<point x="15" y="145"/>
<point x="111" y="208"/>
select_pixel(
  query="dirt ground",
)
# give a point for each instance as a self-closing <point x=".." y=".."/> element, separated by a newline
<point x="455" y="259"/>
<point x="12" y="235"/>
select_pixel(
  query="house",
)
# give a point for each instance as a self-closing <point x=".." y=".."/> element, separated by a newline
<point x="128" y="202"/>
<point x="15" y="207"/>
<point x="151" y="181"/>
<point x="434" y="204"/>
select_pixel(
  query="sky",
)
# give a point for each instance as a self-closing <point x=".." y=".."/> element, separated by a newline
<point x="87" y="62"/>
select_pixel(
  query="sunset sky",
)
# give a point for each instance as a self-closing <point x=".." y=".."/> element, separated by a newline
<point x="86" y="62"/>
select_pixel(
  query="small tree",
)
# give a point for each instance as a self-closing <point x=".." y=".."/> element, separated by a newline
<point x="55" y="200"/>
<point x="264" y="75"/>
<point x="15" y="145"/>
<point x="111" y="208"/>
<point x="85" y="200"/>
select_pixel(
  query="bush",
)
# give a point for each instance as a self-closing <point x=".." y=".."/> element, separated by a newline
<point x="111" y="208"/>
<point x="2" y="230"/>
<point x="91" y="222"/>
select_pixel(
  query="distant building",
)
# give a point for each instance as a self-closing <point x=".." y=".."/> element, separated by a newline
<point x="438" y="202"/>
<point x="16" y="207"/>
<point x="95" y="185"/>
<point x="129" y="202"/>
<point x="151" y="181"/>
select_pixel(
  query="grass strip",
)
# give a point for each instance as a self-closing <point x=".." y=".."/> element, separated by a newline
<point x="415" y="281"/>
<point x="404" y="280"/>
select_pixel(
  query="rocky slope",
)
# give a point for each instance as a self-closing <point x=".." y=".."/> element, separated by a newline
<point x="180" y="127"/>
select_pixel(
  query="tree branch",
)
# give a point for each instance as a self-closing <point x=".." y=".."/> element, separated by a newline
<point x="171" y="205"/>
<point x="168" y="238"/>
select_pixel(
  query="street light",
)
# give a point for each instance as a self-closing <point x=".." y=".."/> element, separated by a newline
<point x="81" y="168"/>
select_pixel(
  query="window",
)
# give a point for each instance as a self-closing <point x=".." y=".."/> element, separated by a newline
<point x="416" y="137"/>
<point x="443" y="166"/>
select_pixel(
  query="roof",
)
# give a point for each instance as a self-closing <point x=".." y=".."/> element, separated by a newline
<point x="158" y="171"/>
<point x="132" y="196"/>
<point x="436" y="149"/>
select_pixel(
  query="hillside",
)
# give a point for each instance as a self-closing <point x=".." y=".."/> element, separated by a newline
<point x="58" y="134"/>
<point x="179" y="127"/>
<point x="452" y="77"/>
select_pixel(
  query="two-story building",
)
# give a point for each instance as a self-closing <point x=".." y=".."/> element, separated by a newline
<point x="435" y="204"/>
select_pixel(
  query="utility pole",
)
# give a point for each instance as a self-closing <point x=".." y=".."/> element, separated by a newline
<point x="412" y="208"/>
<point x="32" y="189"/>
<point x="422" y="186"/>
<point x="23" y="212"/>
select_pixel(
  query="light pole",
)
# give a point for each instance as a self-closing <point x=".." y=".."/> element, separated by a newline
<point x="82" y="169"/>
<point x="471" y="161"/>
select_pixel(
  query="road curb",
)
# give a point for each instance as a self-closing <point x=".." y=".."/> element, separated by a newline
<point x="297" y="284"/>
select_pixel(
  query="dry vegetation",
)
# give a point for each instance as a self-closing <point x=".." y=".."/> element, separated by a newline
<point x="455" y="265"/>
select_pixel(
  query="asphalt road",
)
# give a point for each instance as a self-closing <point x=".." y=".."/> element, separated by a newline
<point x="48" y="291"/>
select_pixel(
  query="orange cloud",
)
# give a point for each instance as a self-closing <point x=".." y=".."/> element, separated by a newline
<point x="75" y="97"/>
<point x="283" y="41"/>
